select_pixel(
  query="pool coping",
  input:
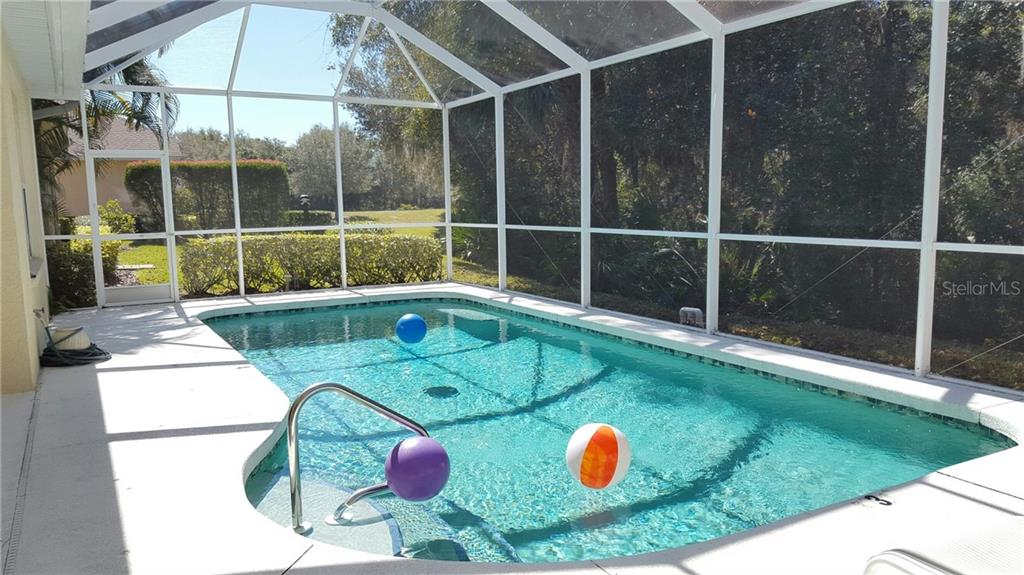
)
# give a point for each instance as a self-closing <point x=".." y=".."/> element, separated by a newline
<point x="972" y="489"/>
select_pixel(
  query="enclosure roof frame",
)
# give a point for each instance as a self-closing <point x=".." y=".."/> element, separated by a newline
<point x="142" y="44"/>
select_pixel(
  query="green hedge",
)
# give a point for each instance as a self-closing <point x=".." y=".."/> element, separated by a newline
<point x="207" y="266"/>
<point x="378" y="259"/>
<point x="298" y="261"/>
<point x="307" y="218"/>
<point x="203" y="193"/>
<point x="143" y="181"/>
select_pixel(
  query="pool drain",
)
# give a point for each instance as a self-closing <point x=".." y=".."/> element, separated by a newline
<point x="441" y="391"/>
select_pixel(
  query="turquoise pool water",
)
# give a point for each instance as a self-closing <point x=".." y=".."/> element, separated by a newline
<point x="715" y="450"/>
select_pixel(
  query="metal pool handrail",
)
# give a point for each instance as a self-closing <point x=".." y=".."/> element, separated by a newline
<point x="295" y="481"/>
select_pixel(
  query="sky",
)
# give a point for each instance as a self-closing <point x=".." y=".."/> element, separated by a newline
<point x="285" y="50"/>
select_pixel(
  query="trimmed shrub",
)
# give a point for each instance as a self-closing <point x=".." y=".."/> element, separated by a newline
<point x="262" y="192"/>
<point x="292" y="261"/>
<point x="307" y="218"/>
<point x="142" y="179"/>
<point x="203" y="195"/>
<point x="378" y="259"/>
<point x="298" y="261"/>
<point x="261" y="260"/>
<point x="204" y="190"/>
<point x="357" y="219"/>
<point x="311" y="261"/>
<point x="70" y="269"/>
<point x="208" y="265"/>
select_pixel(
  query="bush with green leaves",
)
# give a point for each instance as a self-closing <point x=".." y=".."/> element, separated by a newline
<point x="307" y="218"/>
<point x="208" y="266"/>
<point x="378" y="259"/>
<point x="310" y="261"/>
<point x="358" y="219"/>
<point x="302" y="260"/>
<point x="262" y="257"/>
<point x="116" y="218"/>
<point x="203" y="195"/>
<point x="70" y="269"/>
<point x="110" y="252"/>
<point x="72" y="282"/>
<point x="263" y="193"/>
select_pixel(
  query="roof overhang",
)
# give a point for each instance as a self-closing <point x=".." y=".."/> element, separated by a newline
<point x="47" y="40"/>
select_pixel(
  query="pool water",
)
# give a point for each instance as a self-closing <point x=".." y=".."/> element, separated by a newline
<point x="716" y="450"/>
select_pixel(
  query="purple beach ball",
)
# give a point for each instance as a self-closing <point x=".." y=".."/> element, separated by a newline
<point x="417" y="468"/>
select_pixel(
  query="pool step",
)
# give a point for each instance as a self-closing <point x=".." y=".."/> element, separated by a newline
<point x="436" y="549"/>
<point x="372" y="531"/>
<point x="483" y="541"/>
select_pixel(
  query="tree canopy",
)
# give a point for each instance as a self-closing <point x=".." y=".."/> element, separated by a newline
<point x="824" y="135"/>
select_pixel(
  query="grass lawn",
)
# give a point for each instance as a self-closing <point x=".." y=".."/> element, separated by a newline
<point x="473" y="273"/>
<point x="143" y="252"/>
<point x="400" y="217"/>
<point x="397" y="216"/>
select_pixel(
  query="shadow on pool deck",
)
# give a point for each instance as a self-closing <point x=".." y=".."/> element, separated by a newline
<point x="71" y="493"/>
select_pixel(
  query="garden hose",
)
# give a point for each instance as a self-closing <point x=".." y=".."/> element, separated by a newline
<point x="52" y="356"/>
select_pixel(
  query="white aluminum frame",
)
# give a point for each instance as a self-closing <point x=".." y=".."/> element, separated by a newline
<point x="537" y="33"/>
<point x="163" y="32"/>
<point x="341" y="198"/>
<point x="932" y="183"/>
<point x="353" y="54"/>
<point x="447" y="169"/>
<point x="499" y="179"/>
<point x="714" y="243"/>
<point x="585" y="187"/>
<point x="709" y="29"/>
<point x="170" y="242"/>
<point x="415" y="67"/>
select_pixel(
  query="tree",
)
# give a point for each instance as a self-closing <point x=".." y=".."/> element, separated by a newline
<point x="824" y="135"/>
<point x="357" y="172"/>
<point x="311" y="167"/>
<point x="203" y="144"/>
<point x="400" y="146"/>
<point x="983" y="148"/>
<point x="251" y="148"/>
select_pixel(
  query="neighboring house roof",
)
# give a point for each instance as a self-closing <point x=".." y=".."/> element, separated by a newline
<point x="120" y="137"/>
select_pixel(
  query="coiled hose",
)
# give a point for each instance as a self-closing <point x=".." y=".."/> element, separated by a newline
<point x="53" y="357"/>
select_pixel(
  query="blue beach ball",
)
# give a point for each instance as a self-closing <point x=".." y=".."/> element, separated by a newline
<point x="411" y="328"/>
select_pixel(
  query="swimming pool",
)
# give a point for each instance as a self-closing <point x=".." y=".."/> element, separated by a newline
<point x="716" y="450"/>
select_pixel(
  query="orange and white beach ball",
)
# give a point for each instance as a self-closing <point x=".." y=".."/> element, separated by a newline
<point x="598" y="455"/>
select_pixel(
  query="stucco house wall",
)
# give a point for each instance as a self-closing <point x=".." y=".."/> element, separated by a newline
<point x="23" y="287"/>
<point x="109" y="186"/>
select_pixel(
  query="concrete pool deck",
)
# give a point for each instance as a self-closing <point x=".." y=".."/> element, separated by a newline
<point x="136" y="465"/>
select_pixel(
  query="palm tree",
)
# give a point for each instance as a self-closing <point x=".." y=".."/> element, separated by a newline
<point x="138" y="110"/>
